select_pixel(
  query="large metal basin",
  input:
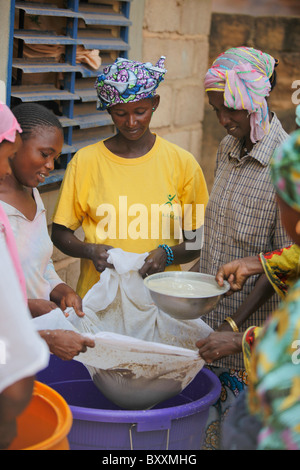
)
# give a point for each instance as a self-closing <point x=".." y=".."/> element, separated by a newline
<point x="196" y="303"/>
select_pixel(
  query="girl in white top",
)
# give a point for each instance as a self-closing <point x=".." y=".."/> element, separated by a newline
<point x="34" y="243"/>
<point x="22" y="352"/>
<point x="42" y="141"/>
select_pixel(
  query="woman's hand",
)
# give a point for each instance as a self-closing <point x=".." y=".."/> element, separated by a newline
<point x="72" y="300"/>
<point x="64" y="296"/>
<point x="66" y="344"/>
<point x="98" y="254"/>
<point x="237" y="272"/>
<point x="40" y="307"/>
<point x="219" y="344"/>
<point x="154" y="263"/>
<point x="182" y="253"/>
<point x="65" y="240"/>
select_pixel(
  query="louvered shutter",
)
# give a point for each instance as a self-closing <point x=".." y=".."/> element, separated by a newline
<point x="64" y="84"/>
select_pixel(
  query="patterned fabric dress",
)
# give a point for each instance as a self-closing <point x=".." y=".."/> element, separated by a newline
<point x="274" y="369"/>
<point x="233" y="383"/>
<point x="282" y="269"/>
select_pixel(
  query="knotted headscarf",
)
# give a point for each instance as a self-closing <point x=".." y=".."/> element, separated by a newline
<point x="243" y="74"/>
<point x="8" y="124"/>
<point x="127" y="81"/>
<point x="298" y="115"/>
<point x="285" y="170"/>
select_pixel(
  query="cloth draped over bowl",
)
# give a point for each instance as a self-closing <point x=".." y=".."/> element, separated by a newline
<point x="243" y="75"/>
<point x="142" y="355"/>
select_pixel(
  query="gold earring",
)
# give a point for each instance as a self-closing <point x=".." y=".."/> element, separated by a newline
<point x="297" y="228"/>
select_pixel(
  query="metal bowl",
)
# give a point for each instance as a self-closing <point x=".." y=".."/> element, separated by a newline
<point x="181" y="306"/>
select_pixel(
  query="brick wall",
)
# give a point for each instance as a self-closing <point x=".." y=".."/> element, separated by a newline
<point x="180" y="32"/>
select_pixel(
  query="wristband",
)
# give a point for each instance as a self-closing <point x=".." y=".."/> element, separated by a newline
<point x="169" y="253"/>
<point x="232" y="324"/>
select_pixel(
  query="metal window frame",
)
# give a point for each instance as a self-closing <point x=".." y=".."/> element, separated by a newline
<point x="69" y="68"/>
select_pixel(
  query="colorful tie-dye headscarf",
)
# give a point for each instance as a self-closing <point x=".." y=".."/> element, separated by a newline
<point x="243" y="74"/>
<point x="127" y="81"/>
<point x="285" y="170"/>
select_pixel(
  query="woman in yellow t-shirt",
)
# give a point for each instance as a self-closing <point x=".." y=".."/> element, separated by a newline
<point x="135" y="190"/>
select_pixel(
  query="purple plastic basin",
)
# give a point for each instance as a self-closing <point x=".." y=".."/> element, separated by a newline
<point x="98" y="424"/>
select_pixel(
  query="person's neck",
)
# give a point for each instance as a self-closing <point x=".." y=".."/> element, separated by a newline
<point x="271" y="114"/>
<point x="247" y="146"/>
<point x="131" y="148"/>
<point x="12" y="185"/>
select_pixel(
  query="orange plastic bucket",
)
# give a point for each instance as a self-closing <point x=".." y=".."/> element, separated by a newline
<point x="45" y="423"/>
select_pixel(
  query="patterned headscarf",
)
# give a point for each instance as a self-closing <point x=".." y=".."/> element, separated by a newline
<point x="285" y="170"/>
<point x="8" y="124"/>
<point x="127" y="81"/>
<point x="243" y="74"/>
<point x="298" y="115"/>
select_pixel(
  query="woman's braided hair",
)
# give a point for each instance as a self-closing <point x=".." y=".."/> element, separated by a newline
<point x="32" y="116"/>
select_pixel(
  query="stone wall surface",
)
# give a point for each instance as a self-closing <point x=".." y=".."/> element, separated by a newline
<point x="180" y="32"/>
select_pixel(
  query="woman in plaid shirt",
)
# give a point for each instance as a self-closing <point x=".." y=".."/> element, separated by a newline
<point x="241" y="218"/>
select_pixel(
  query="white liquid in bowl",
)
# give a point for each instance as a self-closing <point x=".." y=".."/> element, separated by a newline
<point x="186" y="288"/>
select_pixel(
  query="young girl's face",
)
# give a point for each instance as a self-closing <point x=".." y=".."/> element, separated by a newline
<point x="35" y="159"/>
<point x="7" y="153"/>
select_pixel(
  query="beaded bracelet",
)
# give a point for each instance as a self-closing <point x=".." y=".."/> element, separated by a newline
<point x="169" y="252"/>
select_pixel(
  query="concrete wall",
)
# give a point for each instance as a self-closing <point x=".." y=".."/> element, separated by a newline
<point x="277" y="35"/>
<point x="179" y="32"/>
